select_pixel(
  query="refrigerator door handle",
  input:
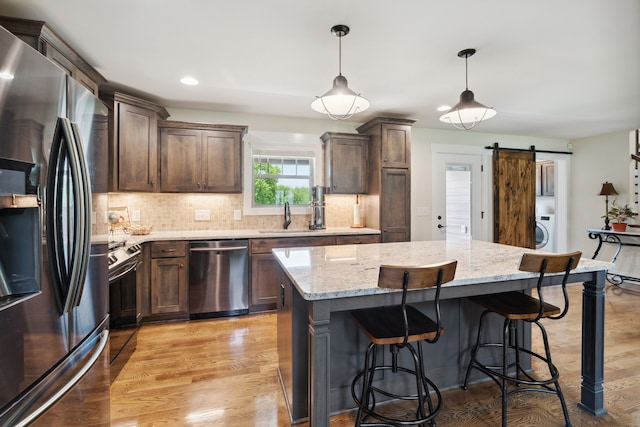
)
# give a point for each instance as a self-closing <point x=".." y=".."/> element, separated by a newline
<point x="84" y="216"/>
<point x="65" y="177"/>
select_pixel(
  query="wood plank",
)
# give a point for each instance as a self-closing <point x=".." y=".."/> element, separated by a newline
<point x="224" y="372"/>
<point x="514" y="189"/>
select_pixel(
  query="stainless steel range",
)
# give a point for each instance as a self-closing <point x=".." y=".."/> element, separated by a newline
<point x="123" y="303"/>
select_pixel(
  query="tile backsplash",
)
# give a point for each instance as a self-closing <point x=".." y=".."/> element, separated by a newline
<point x="176" y="212"/>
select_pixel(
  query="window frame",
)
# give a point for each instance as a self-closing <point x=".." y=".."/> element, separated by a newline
<point x="282" y="145"/>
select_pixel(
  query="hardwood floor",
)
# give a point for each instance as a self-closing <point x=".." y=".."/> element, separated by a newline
<point x="223" y="372"/>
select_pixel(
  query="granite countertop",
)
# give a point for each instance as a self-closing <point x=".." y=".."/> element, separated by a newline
<point x="239" y="234"/>
<point x="327" y="272"/>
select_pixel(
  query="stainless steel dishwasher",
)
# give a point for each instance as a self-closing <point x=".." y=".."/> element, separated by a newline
<point x="218" y="278"/>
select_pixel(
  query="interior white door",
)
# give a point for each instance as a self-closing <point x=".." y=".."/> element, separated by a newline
<point x="457" y="197"/>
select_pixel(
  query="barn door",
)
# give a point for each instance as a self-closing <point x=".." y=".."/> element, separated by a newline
<point x="514" y="191"/>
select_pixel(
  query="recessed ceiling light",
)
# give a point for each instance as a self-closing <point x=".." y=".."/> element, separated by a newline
<point x="189" y="81"/>
<point x="444" y="108"/>
<point x="5" y="75"/>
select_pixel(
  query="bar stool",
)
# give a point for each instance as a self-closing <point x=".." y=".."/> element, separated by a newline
<point x="398" y="327"/>
<point x="515" y="306"/>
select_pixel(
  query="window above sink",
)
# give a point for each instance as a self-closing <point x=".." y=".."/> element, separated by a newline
<point x="294" y="161"/>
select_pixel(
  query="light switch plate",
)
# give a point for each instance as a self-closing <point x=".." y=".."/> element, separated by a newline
<point x="203" y="215"/>
<point x="423" y="211"/>
<point x="237" y="214"/>
<point x="135" y="215"/>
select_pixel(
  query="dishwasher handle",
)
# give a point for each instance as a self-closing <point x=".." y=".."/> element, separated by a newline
<point x="227" y="249"/>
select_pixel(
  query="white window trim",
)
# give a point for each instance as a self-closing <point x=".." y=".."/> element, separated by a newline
<point x="291" y="144"/>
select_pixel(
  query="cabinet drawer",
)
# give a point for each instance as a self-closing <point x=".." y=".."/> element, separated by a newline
<point x="357" y="239"/>
<point x="265" y="245"/>
<point x="168" y="249"/>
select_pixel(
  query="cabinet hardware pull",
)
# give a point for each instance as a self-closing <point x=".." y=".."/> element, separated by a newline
<point x="168" y="250"/>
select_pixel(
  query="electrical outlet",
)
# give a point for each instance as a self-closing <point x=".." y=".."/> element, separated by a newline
<point x="203" y="215"/>
<point x="135" y="215"/>
<point x="237" y="214"/>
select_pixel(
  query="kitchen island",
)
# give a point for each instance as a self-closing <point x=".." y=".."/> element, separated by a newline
<point x="320" y="349"/>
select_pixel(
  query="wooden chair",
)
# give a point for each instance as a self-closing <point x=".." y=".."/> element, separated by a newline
<point x="517" y="306"/>
<point x="398" y="327"/>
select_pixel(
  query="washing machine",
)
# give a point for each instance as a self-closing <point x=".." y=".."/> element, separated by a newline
<point x="546" y="232"/>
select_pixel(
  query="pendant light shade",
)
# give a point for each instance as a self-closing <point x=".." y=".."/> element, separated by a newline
<point x="467" y="113"/>
<point x="340" y="102"/>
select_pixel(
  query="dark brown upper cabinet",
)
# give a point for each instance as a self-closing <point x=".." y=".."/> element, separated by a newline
<point x="200" y="158"/>
<point x="389" y="177"/>
<point x="545" y="180"/>
<point x="345" y="159"/>
<point x="133" y="141"/>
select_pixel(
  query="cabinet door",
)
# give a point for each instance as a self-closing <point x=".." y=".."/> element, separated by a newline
<point x="395" y="218"/>
<point x="137" y="148"/>
<point x="548" y="179"/>
<point x="348" y="161"/>
<point x="264" y="282"/>
<point x="396" y="146"/>
<point x="180" y="160"/>
<point x="169" y="286"/>
<point x="222" y="161"/>
<point x="285" y="327"/>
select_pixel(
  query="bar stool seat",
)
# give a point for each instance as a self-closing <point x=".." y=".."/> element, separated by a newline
<point x="516" y="308"/>
<point x="398" y="327"/>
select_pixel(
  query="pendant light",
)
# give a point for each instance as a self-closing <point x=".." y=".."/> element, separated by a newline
<point x="467" y="113"/>
<point x="340" y="103"/>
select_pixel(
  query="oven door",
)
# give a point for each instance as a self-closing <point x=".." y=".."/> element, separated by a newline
<point x="124" y="314"/>
<point x="122" y="294"/>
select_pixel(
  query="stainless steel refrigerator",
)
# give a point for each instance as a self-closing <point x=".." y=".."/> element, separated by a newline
<point x="54" y="365"/>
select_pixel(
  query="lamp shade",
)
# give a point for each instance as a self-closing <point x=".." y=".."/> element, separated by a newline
<point x="607" y="189"/>
<point x="340" y="102"/>
<point x="468" y="112"/>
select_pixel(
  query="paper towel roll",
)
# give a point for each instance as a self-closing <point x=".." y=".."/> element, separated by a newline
<point x="356" y="214"/>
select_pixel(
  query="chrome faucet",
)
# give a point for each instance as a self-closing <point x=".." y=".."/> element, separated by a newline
<point x="287" y="215"/>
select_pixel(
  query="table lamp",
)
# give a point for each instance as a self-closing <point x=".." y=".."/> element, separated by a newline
<point x="606" y="191"/>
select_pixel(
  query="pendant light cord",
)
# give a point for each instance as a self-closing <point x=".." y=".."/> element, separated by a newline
<point x="466" y="72"/>
<point x="339" y="55"/>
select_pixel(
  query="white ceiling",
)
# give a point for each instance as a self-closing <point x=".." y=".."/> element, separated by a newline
<point x="559" y="69"/>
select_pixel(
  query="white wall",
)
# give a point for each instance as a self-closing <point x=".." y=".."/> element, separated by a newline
<point x="421" y="185"/>
<point x="596" y="160"/>
<point x="264" y="123"/>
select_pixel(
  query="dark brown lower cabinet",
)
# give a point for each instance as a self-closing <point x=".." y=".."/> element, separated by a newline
<point x="395" y="203"/>
<point x="264" y="274"/>
<point x="169" y="292"/>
